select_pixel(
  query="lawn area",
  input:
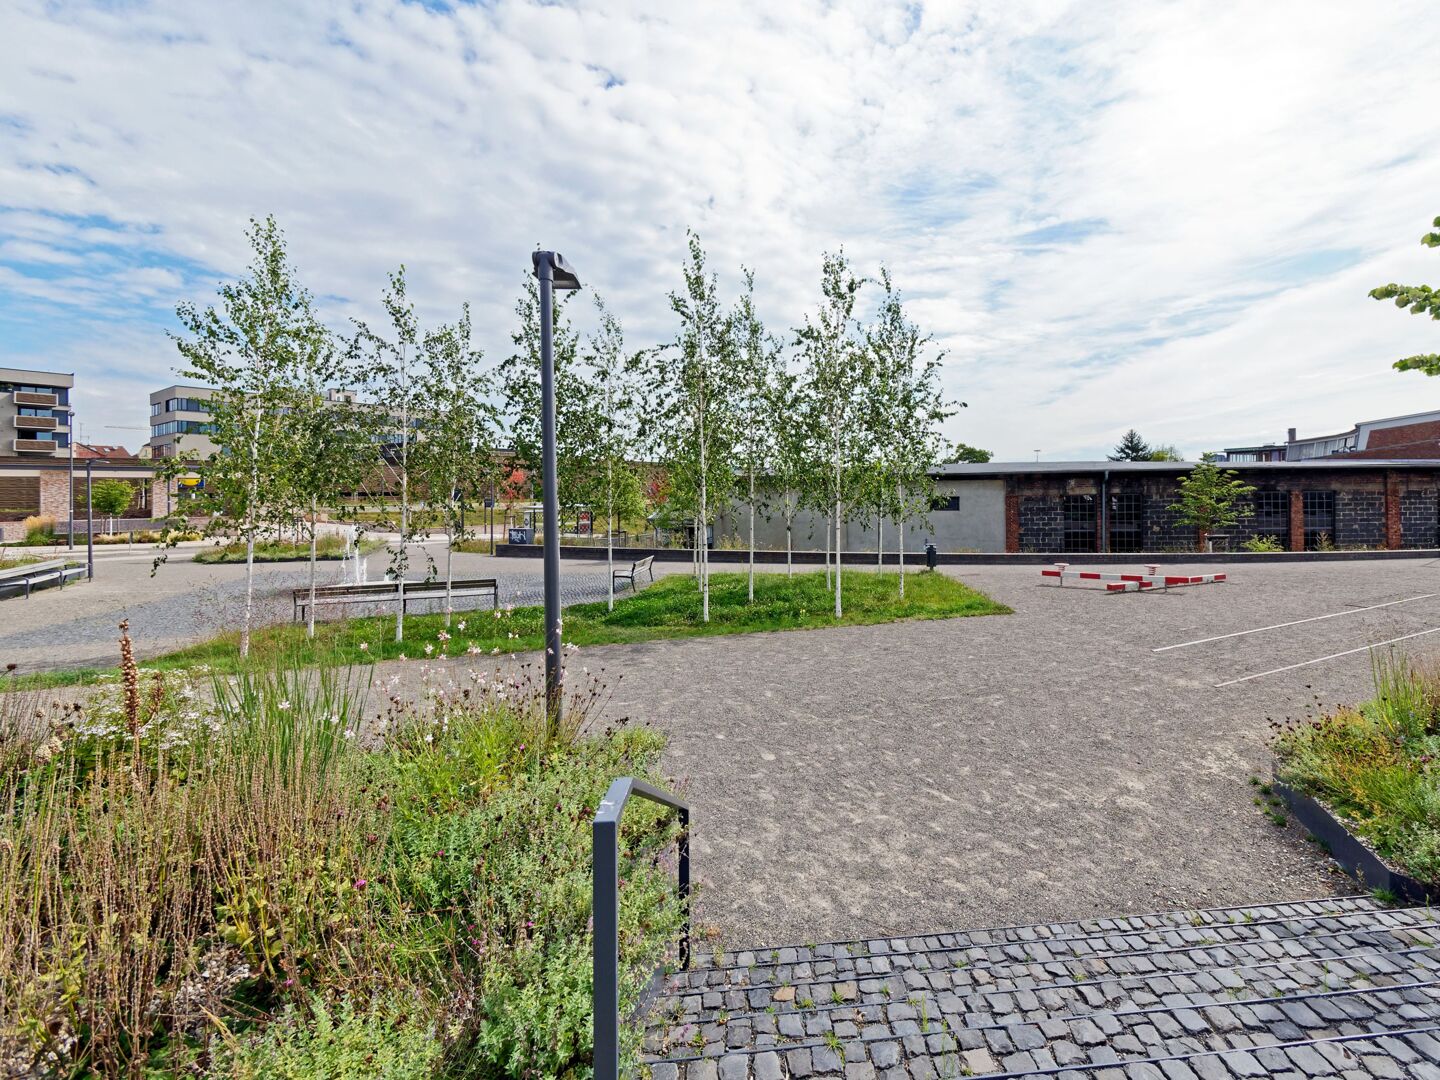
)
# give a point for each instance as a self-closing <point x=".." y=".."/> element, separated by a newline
<point x="670" y="608"/>
<point x="1376" y="766"/>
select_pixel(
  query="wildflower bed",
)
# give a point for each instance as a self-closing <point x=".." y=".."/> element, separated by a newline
<point x="1377" y="766"/>
<point x="268" y="877"/>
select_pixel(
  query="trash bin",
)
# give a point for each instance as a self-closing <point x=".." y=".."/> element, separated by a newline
<point x="932" y="558"/>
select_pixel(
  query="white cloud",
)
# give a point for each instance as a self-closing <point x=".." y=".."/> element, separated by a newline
<point x="1112" y="215"/>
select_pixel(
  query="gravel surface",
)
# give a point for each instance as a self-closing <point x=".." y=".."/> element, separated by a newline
<point x="1045" y="765"/>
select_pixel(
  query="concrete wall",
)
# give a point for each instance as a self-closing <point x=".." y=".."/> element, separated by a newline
<point x="977" y="523"/>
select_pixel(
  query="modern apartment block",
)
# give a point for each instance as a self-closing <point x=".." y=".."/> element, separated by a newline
<point x="180" y="422"/>
<point x="34" y="412"/>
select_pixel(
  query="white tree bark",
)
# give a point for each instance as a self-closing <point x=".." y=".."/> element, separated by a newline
<point x="314" y="554"/>
<point x="752" y="533"/>
<point x="900" y="502"/>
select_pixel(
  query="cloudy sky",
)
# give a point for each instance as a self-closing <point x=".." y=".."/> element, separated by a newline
<point x="1156" y="215"/>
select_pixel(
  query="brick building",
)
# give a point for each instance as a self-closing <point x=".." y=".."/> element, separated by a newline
<point x="30" y="488"/>
<point x="1125" y="506"/>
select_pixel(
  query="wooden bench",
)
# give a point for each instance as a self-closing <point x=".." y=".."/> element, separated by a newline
<point x="32" y="574"/>
<point x="640" y="566"/>
<point x="384" y="592"/>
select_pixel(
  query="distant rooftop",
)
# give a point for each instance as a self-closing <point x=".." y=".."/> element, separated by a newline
<point x="957" y="469"/>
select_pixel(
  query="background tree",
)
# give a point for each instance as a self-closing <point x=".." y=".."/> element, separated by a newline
<point x="329" y="453"/>
<point x="1168" y="452"/>
<point x="452" y="460"/>
<point x="836" y="381"/>
<point x="389" y="364"/>
<point x="614" y="483"/>
<point x="791" y="478"/>
<point x="1131" y="448"/>
<point x="251" y="350"/>
<point x="971" y="455"/>
<point x="112" y="498"/>
<point x="1212" y="498"/>
<point x="1421" y="300"/>
<point x="575" y="404"/>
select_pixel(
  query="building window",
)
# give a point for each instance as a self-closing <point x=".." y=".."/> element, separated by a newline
<point x="1272" y="516"/>
<point x="1127" y="521"/>
<point x="1078" y="522"/>
<point x="184" y="404"/>
<point x="1319" y="520"/>
<point x="181" y="427"/>
<point x="945" y="502"/>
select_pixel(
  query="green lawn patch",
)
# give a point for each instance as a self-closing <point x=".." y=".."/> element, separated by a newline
<point x="670" y="608"/>
<point x="1376" y="766"/>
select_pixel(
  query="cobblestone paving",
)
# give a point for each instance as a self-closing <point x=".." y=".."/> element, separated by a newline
<point x="1338" y="987"/>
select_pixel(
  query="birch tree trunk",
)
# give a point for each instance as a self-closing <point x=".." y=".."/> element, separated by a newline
<point x="879" y="540"/>
<point x="314" y="553"/>
<point x="449" y="567"/>
<point x="404" y="499"/>
<point x="250" y="535"/>
<point x="789" y="545"/>
<point x="839" y="544"/>
<point x="752" y="533"/>
<point x="610" y="530"/>
<point x="900" y="502"/>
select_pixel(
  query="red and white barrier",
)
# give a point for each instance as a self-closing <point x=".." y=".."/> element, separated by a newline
<point x="1113" y="582"/>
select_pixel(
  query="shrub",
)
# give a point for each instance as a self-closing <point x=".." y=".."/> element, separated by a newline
<point x="387" y="1040"/>
<point x="1262" y="543"/>
<point x="39" y="528"/>
<point x="246" y="876"/>
<point x="1374" y="765"/>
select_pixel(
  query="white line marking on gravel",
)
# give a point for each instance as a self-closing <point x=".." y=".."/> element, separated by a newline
<point x="1322" y="659"/>
<point x="1293" y="622"/>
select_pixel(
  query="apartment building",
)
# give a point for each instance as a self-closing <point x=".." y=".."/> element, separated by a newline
<point x="34" y="412"/>
<point x="180" y="422"/>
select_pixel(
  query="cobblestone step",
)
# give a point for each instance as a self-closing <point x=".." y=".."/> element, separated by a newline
<point x="1064" y="1002"/>
<point x="880" y="978"/>
<point x="1210" y="995"/>
<point x="1406" y="1052"/>
<point x="1006" y="935"/>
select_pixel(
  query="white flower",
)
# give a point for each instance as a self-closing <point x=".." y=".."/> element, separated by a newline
<point x="285" y="706"/>
<point x="461" y="624"/>
<point x="364" y="646"/>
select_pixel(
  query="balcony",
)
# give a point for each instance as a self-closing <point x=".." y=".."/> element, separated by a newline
<point x="39" y="401"/>
<point x="35" y="446"/>
<point x="36" y="423"/>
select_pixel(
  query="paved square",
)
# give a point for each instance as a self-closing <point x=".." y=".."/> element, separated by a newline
<point x="984" y="771"/>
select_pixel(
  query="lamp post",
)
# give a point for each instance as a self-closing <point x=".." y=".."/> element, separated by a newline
<point x="89" y="520"/>
<point x="554" y="273"/>
<point x="70" y="442"/>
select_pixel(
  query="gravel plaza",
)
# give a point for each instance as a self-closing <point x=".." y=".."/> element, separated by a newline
<point x="1089" y="754"/>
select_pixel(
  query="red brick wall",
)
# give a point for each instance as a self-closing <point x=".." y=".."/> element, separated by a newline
<point x="1392" y="511"/>
<point x="1409" y="441"/>
<point x="1297" y="521"/>
<point x="55" y="492"/>
<point x="1012" y="522"/>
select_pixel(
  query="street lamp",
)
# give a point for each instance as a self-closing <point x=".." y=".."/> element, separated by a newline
<point x="554" y="273"/>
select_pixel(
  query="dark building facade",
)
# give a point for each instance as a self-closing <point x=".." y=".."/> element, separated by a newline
<point x="1107" y="506"/>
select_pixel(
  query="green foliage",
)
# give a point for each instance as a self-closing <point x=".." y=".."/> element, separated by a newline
<point x="328" y="547"/>
<point x="971" y="455"/>
<point x="1262" y="543"/>
<point x="1212" y="498"/>
<point x="1419" y="300"/>
<point x="386" y="1040"/>
<point x="111" y="497"/>
<point x="1165" y="453"/>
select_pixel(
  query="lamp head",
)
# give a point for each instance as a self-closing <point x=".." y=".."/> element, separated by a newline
<point x="560" y="271"/>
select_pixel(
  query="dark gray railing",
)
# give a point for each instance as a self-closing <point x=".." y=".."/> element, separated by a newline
<point x="605" y="848"/>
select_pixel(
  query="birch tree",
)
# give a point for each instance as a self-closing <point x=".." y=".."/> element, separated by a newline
<point x="791" y="478"/>
<point x="837" y="376"/>
<point x="758" y="368"/>
<point x="688" y="416"/>
<point x="452" y="459"/>
<point x="614" y="482"/>
<point x="252" y="349"/>
<point x="907" y="408"/>
<point x="389" y="365"/>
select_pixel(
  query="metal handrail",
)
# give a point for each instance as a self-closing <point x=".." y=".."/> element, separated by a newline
<point x="605" y="899"/>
